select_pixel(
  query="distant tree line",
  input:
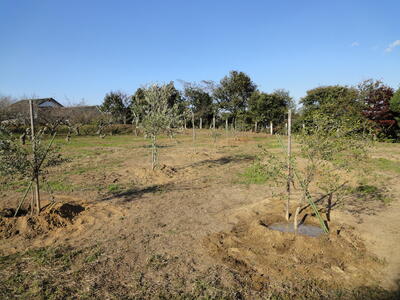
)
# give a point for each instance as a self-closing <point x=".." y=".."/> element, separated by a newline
<point x="234" y="100"/>
<point x="237" y="102"/>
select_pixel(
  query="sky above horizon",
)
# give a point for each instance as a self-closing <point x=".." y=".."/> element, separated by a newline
<point x="73" y="50"/>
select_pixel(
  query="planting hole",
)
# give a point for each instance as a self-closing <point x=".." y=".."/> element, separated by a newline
<point x="309" y="230"/>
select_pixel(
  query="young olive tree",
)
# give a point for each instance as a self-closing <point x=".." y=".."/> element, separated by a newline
<point x="159" y="116"/>
<point x="25" y="162"/>
<point x="329" y="147"/>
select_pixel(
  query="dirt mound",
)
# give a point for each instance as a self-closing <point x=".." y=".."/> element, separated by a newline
<point x="270" y="256"/>
<point x="167" y="170"/>
<point x="160" y="175"/>
<point x="55" y="216"/>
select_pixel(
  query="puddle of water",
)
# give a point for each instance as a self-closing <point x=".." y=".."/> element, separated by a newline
<point x="309" y="230"/>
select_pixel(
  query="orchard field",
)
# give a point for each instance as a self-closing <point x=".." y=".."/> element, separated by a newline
<point x="195" y="227"/>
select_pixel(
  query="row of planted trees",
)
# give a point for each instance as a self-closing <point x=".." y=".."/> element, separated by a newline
<point x="330" y="131"/>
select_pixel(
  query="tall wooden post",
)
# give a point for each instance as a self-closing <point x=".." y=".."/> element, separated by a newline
<point x="289" y="162"/>
<point x="35" y="162"/>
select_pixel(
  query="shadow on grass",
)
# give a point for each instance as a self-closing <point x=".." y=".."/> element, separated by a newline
<point x="221" y="161"/>
<point x="132" y="194"/>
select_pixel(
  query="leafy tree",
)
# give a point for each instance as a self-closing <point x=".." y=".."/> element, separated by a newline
<point x="375" y="96"/>
<point x="199" y="101"/>
<point x="395" y="102"/>
<point x="333" y="100"/>
<point x="233" y="92"/>
<point x="284" y="94"/>
<point x="265" y="108"/>
<point x="137" y="107"/>
<point x="117" y="105"/>
<point x="158" y="116"/>
<point x="395" y="106"/>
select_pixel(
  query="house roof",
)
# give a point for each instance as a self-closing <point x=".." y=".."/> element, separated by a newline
<point x="35" y="102"/>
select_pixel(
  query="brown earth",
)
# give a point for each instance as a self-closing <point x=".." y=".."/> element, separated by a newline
<point x="192" y="228"/>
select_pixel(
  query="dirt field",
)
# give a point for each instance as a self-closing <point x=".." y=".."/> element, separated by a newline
<point x="197" y="227"/>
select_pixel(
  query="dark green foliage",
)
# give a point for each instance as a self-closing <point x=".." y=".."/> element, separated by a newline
<point x="265" y="108"/>
<point x="199" y="101"/>
<point x="234" y="91"/>
<point x="395" y="108"/>
<point x="335" y="101"/>
<point x="117" y="105"/>
<point x="395" y="102"/>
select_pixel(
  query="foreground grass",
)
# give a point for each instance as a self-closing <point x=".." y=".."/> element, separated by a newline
<point x="67" y="273"/>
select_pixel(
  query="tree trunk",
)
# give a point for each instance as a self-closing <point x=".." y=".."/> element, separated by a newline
<point x="271" y="128"/>
<point x="153" y="153"/>
<point x="201" y="123"/>
<point x="214" y="122"/>
<point x="255" y="127"/>
<point x="295" y="223"/>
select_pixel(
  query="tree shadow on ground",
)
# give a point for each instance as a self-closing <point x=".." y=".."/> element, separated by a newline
<point x="221" y="161"/>
<point x="131" y="194"/>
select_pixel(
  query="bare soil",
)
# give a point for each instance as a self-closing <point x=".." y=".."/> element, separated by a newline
<point x="190" y="229"/>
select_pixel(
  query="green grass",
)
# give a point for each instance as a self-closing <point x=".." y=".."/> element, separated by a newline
<point x="115" y="188"/>
<point x="254" y="174"/>
<point x="384" y="164"/>
<point x="60" y="185"/>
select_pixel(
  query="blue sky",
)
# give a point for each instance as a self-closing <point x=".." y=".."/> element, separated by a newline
<point x="85" y="48"/>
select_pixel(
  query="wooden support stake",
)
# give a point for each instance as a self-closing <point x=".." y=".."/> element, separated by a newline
<point x="194" y="132"/>
<point x="35" y="163"/>
<point x="289" y="163"/>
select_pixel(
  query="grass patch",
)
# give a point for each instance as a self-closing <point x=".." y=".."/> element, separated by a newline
<point x="115" y="188"/>
<point x="60" y="186"/>
<point x="384" y="164"/>
<point x="370" y="192"/>
<point x="254" y="174"/>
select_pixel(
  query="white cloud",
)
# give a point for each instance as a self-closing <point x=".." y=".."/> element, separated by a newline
<point x="392" y="46"/>
<point x="355" y="44"/>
